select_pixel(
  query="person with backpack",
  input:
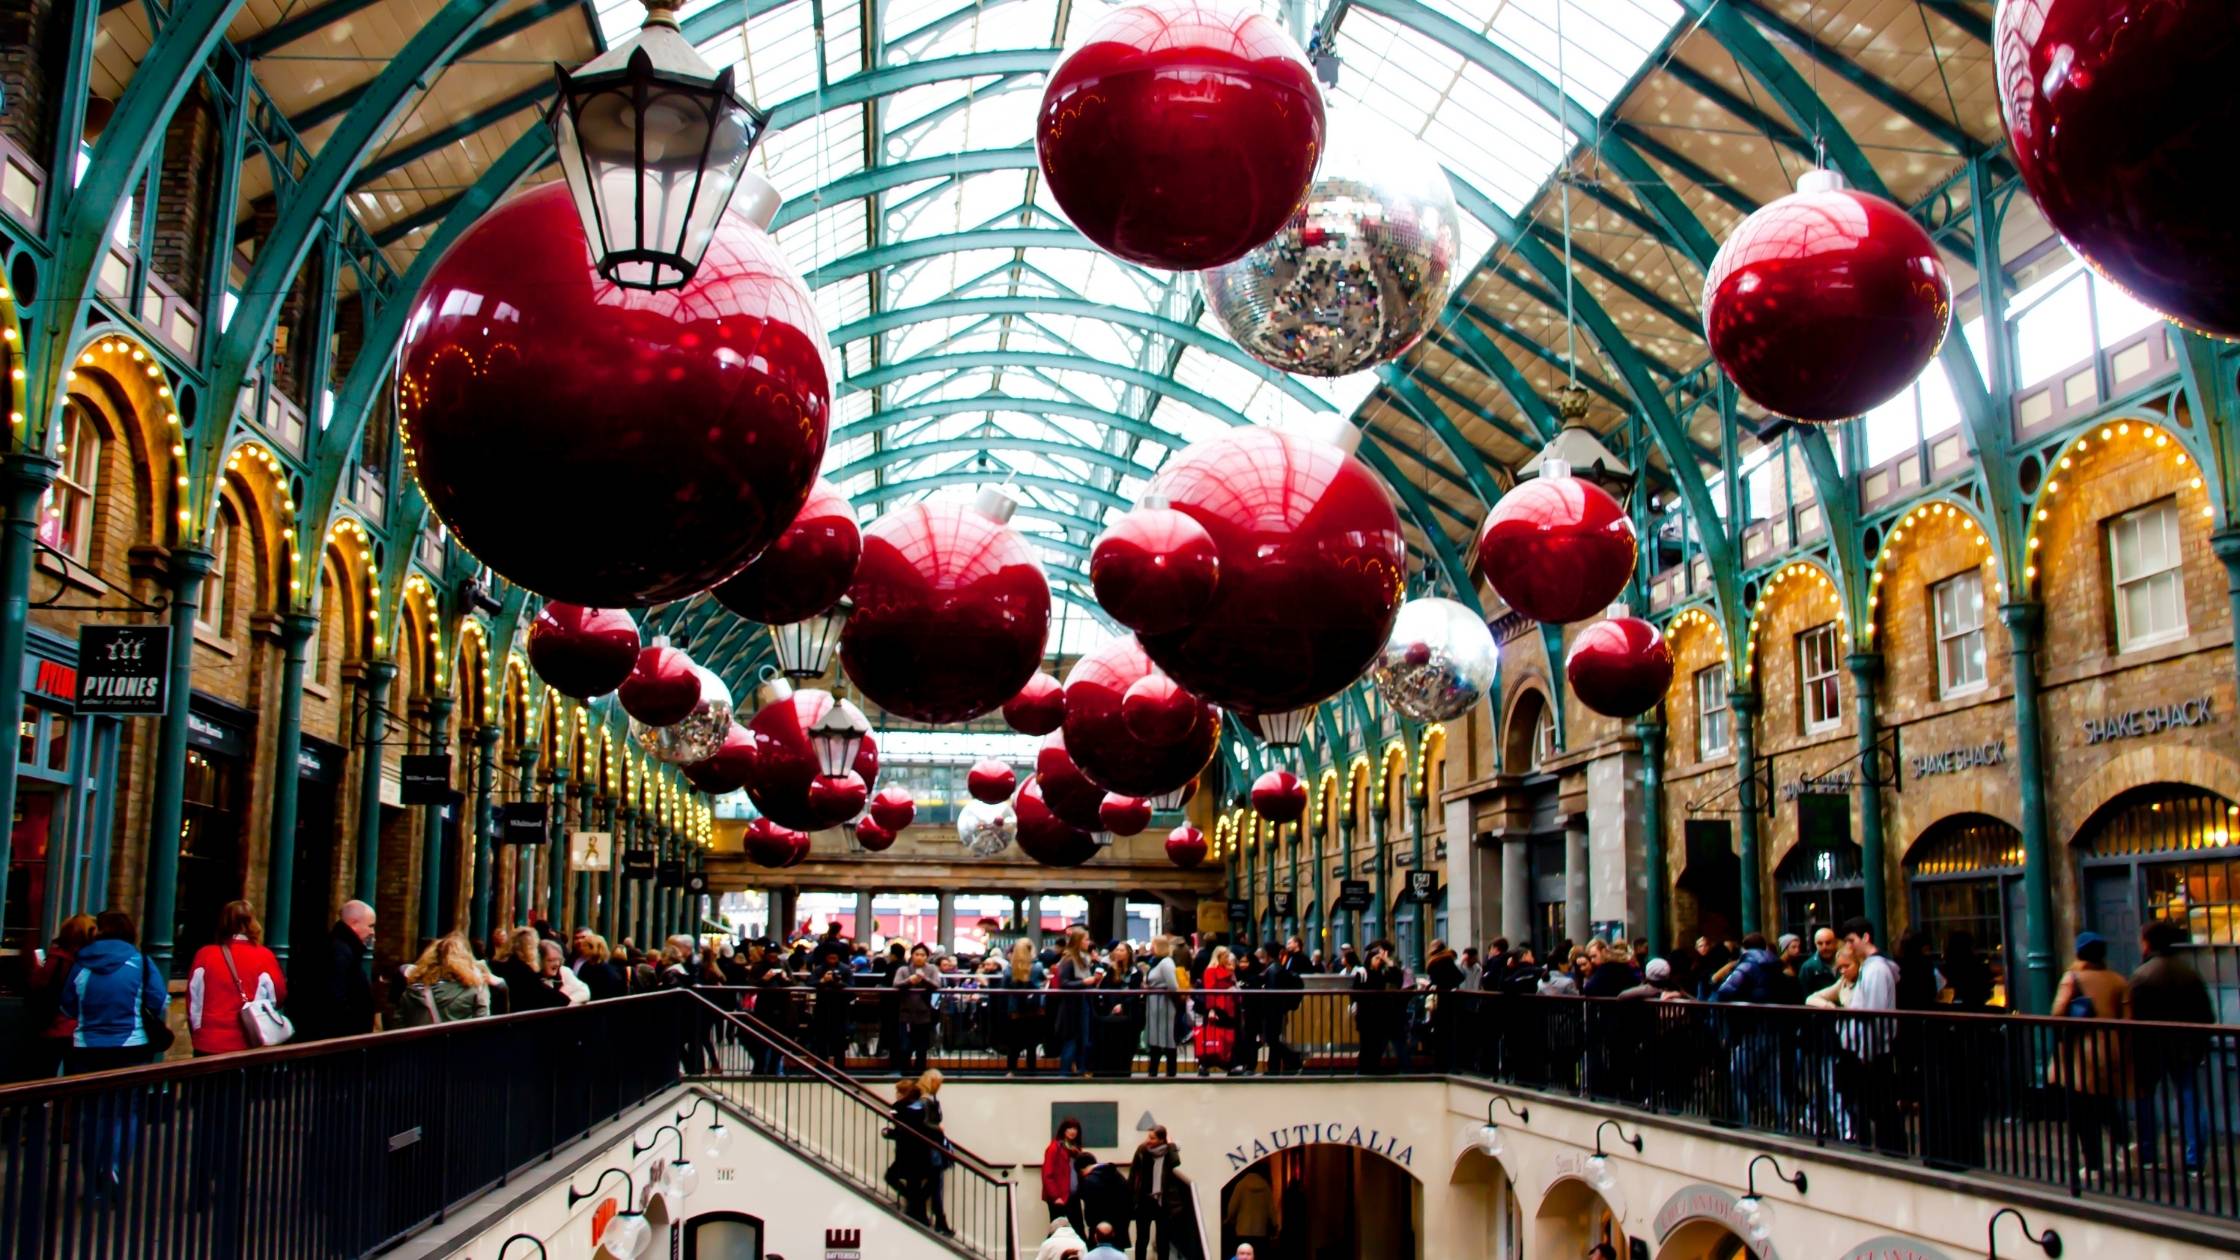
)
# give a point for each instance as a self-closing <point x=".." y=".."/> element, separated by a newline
<point x="2089" y="1062"/>
<point x="445" y="986"/>
<point x="118" y="1000"/>
<point x="226" y="977"/>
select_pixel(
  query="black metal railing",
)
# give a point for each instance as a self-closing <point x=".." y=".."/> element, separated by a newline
<point x="325" y="1149"/>
<point x="854" y="1132"/>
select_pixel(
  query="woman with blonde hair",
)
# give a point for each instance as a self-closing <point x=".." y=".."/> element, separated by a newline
<point x="929" y="1090"/>
<point x="446" y="986"/>
<point x="1075" y="975"/>
<point x="522" y="973"/>
<point x="1018" y="1007"/>
<point x="1163" y="1020"/>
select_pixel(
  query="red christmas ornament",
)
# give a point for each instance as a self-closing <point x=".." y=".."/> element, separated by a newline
<point x="776" y="847"/>
<point x="1313" y="569"/>
<point x="833" y="801"/>
<point x="1181" y="135"/>
<point x="1280" y="797"/>
<point x="785" y="762"/>
<point x="1826" y="303"/>
<point x="1098" y="737"/>
<point x="662" y="690"/>
<point x="894" y="809"/>
<point x="695" y="416"/>
<point x="1155" y="570"/>
<point x="2115" y="109"/>
<point x="951" y="611"/>
<point x="1186" y="846"/>
<point x="1043" y="835"/>
<point x="1620" y="667"/>
<point x="1125" y="815"/>
<point x="991" y="782"/>
<point x="1072" y="795"/>
<point x="730" y="769"/>
<point x="806" y="571"/>
<point x="1558" y="548"/>
<point x="1039" y="708"/>
<point x="582" y="652"/>
<point x="1156" y="710"/>
<point x="874" y="837"/>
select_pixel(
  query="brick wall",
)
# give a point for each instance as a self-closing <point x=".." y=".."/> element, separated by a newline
<point x="27" y="35"/>
<point x="187" y="197"/>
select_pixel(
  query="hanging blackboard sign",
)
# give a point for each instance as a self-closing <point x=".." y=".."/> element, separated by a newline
<point x="1282" y="904"/>
<point x="670" y="874"/>
<point x="523" y="822"/>
<point x="424" y="778"/>
<point x="121" y="670"/>
<point x="1353" y="894"/>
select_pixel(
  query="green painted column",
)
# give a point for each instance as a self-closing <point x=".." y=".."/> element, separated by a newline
<point x="2025" y="622"/>
<point x="167" y="794"/>
<point x="373" y="734"/>
<point x="1272" y="843"/>
<point x="1321" y="891"/>
<point x="1418" y="912"/>
<point x="627" y="897"/>
<point x="585" y="821"/>
<point x="485" y="823"/>
<point x="525" y="855"/>
<point x="2226" y="543"/>
<point x="1866" y="677"/>
<point x="1346" y="871"/>
<point x="610" y="902"/>
<point x="1298" y="894"/>
<point x="431" y="829"/>
<point x="556" y="851"/>
<point x="1380" y="834"/>
<point x="295" y="630"/>
<point x="1656" y="899"/>
<point x="23" y="479"/>
<point x="1744" y="706"/>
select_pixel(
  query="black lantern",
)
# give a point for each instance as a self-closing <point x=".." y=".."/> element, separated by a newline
<point x="1581" y="451"/>
<point x="805" y="647"/>
<point x="654" y="143"/>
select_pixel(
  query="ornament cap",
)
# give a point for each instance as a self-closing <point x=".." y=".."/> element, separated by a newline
<point x="1153" y="500"/>
<point x="1554" y="468"/>
<point x="1821" y="180"/>
<point x="996" y="504"/>
<point x="757" y="200"/>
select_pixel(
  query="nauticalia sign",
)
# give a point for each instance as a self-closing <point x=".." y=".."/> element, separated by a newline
<point x="2147" y="721"/>
<point x="1333" y="1134"/>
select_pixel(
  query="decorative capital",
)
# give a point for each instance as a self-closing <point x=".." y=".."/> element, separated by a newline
<point x="1864" y="666"/>
<point x="1744" y="701"/>
<point x="2023" y="621"/>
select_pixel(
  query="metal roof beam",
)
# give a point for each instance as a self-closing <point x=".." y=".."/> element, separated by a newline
<point x="1944" y="130"/>
<point x="339" y="104"/>
<point x="1631" y="287"/>
<point x="392" y="160"/>
<point x="890" y="372"/>
<point x="947" y="169"/>
<point x="299" y="25"/>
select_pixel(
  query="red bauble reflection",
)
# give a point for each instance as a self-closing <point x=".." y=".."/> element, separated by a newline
<point x="785" y="763"/>
<point x="696" y="416"/>
<point x="1558" y="549"/>
<point x="2116" y="112"/>
<point x="583" y="652"/>
<point x="951" y="613"/>
<point x="776" y="847"/>
<point x="1125" y="815"/>
<point x="873" y="837"/>
<point x="1186" y="846"/>
<point x="807" y="570"/>
<point x="894" y="808"/>
<point x="1181" y="135"/>
<point x="1039" y="707"/>
<point x="1620" y="667"/>
<point x="1155" y="570"/>
<point x="1099" y="740"/>
<point x="991" y="782"/>
<point x="1313" y="569"/>
<point x="731" y="768"/>
<point x="833" y="801"/>
<point x="1043" y="835"/>
<point x="1280" y="797"/>
<point x="1072" y="795"/>
<point x="1826" y="303"/>
<point x="1158" y="711"/>
<point x="662" y="689"/>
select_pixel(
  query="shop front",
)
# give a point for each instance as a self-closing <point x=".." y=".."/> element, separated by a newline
<point x="319" y="771"/>
<point x="1821" y="878"/>
<point x="58" y="855"/>
<point x="2166" y="852"/>
<point x="1964" y="889"/>
<point x="220" y="746"/>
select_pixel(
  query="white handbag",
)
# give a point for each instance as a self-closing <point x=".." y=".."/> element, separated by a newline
<point x="262" y="1024"/>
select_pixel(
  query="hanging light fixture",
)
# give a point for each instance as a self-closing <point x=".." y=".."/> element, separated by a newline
<point x="838" y="736"/>
<point x="654" y="143"/>
<point x="805" y="647"/>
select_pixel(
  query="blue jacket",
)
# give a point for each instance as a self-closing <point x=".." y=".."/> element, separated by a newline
<point x="111" y="992"/>
<point x="1753" y="979"/>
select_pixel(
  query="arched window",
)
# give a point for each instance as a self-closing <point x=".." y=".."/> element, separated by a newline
<point x="67" y="525"/>
<point x="217" y="586"/>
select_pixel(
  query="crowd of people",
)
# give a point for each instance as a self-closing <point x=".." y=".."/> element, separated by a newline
<point x="1095" y="1205"/>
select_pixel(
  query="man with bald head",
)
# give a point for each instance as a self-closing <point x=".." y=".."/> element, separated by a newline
<point x="331" y="993"/>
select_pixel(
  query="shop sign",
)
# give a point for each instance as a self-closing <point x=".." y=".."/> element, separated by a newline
<point x="1423" y="887"/>
<point x="669" y="874"/>
<point x="1283" y="903"/>
<point x="218" y="737"/>
<point x="1335" y="1133"/>
<point x="1892" y="1247"/>
<point x="424" y="778"/>
<point x="843" y="1244"/>
<point x="637" y="863"/>
<point x="312" y="764"/>
<point x="1353" y="894"/>
<point x="1240" y="910"/>
<point x="121" y="670"/>
<point x="1833" y="783"/>
<point x="1700" y="1202"/>
<point x="2147" y="721"/>
<point x="590" y="850"/>
<point x="49" y="678"/>
<point x="1954" y="760"/>
<point x="522" y="822"/>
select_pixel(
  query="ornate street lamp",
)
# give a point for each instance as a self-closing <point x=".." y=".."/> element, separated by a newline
<point x="1581" y="450"/>
<point x="653" y="143"/>
<point x="805" y="647"/>
<point x="838" y="736"/>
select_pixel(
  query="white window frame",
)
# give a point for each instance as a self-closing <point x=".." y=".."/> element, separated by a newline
<point x="2164" y="513"/>
<point x="1544" y="736"/>
<point x="70" y="501"/>
<point x="1713" y="713"/>
<point x="215" y="614"/>
<point x="1813" y="684"/>
<point x="1958" y="638"/>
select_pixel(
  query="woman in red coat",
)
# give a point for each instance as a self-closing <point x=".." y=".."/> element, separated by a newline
<point x="1061" y="1173"/>
<point x="216" y="993"/>
<point x="1217" y="1036"/>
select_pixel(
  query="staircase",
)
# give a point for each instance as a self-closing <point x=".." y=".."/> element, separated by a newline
<point x="845" y="1127"/>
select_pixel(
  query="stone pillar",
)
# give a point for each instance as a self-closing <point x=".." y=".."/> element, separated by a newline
<point x="295" y="630"/>
<point x="166" y="802"/>
<point x="945" y="920"/>
<point x="1516" y="886"/>
<point x="2025" y="622"/>
<point x="866" y="921"/>
<point x="1462" y="876"/>
<point x="1578" y="904"/>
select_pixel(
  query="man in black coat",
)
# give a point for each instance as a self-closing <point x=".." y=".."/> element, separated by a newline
<point x="2166" y="989"/>
<point x="1286" y="991"/>
<point x="1107" y="1199"/>
<point x="331" y="994"/>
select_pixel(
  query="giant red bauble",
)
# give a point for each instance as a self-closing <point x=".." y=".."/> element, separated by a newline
<point x="1186" y="846"/>
<point x="582" y="652"/>
<point x="1825" y="303"/>
<point x="1125" y="815"/>
<point x="1155" y="570"/>
<point x="663" y="689"/>
<point x="1039" y="707"/>
<point x="1181" y="134"/>
<point x="1280" y="797"/>
<point x="1157" y="710"/>
<point x="731" y="768"/>
<point x="833" y="801"/>
<point x="1558" y="549"/>
<point x="1620" y="667"/>
<point x="991" y="782"/>
<point x="806" y="570"/>
<point x="1097" y="734"/>
<point x="951" y="611"/>
<point x="1313" y="570"/>
<point x="1072" y="795"/>
<point x="774" y="846"/>
<point x="2117" y="113"/>
<point x="785" y="762"/>
<point x="894" y="808"/>
<point x="674" y="432"/>
<point x="873" y="837"/>
<point x="1043" y="835"/>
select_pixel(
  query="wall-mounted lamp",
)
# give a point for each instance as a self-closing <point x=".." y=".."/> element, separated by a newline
<point x="626" y="1236"/>
<point x="2049" y="1241"/>
<point x="1489" y="1137"/>
<point x="507" y="1246"/>
<point x="719" y="1135"/>
<point x="680" y="1176"/>
<point x="1753" y="1208"/>
<point x="1598" y="1164"/>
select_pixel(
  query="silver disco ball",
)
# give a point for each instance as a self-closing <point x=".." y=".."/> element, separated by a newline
<point x="986" y="830"/>
<point x="1439" y="661"/>
<point x="1360" y="272"/>
<point x="698" y="736"/>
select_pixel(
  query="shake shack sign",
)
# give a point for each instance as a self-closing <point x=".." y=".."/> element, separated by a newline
<point x="1954" y="760"/>
<point x="2148" y="721"/>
